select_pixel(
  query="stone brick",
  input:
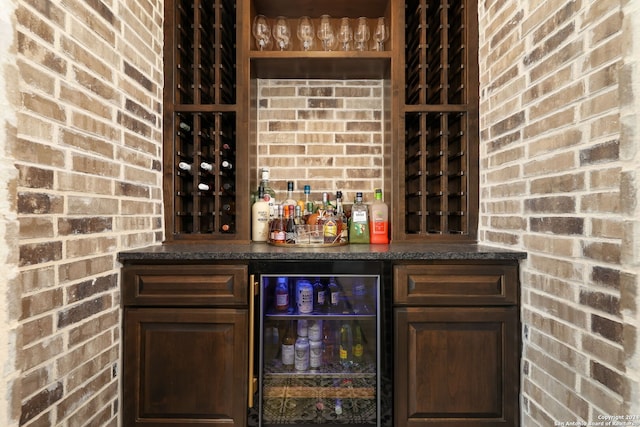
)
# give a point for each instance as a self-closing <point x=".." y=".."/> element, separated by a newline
<point x="605" y="276"/>
<point x="606" y="152"/>
<point x="551" y="204"/>
<point x="606" y="303"/>
<point x="87" y="225"/>
<point x="38" y="253"/>
<point x="88" y="205"/>
<point x="41" y="402"/>
<point x="569" y="183"/>
<point x="90" y="245"/>
<point x="131" y="71"/>
<point x="607" y="377"/>
<point x="35" y="228"/>
<point x="89" y="288"/>
<point x="35" y="177"/>
<point x="607" y="328"/>
<point x="601" y="202"/>
<point x="37" y="329"/>
<point x="602" y="251"/>
<point x="80" y="269"/>
<point x="77" y="313"/>
<point x="32" y="50"/>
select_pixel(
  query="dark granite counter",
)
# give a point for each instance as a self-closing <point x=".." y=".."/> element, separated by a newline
<point x="188" y="252"/>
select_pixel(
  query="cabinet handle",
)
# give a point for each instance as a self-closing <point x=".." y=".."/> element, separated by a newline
<point x="253" y="291"/>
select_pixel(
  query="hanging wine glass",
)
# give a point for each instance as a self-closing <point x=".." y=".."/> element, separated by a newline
<point x="305" y="32"/>
<point x="380" y="34"/>
<point x="362" y="34"/>
<point x="261" y="32"/>
<point x="282" y="33"/>
<point x="326" y="34"/>
<point x="345" y="34"/>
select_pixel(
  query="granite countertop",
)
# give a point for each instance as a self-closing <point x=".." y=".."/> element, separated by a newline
<point x="186" y="252"/>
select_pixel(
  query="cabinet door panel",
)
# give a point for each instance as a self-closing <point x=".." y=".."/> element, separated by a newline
<point x="459" y="367"/>
<point x="185" y="367"/>
<point x="455" y="284"/>
<point x="185" y="285"/>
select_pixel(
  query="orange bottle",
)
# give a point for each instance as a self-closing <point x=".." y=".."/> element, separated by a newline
<point x="379" y="220"/>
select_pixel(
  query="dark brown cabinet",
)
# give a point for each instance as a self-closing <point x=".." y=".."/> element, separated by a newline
<point x="185" y="345"/>
<point x="456" y="345"/>
<point x="430" y="72"/>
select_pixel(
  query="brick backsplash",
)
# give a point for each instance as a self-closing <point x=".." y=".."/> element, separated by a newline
<point x="324" y="133"/>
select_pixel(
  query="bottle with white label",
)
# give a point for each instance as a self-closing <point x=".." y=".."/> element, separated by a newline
<point x="288" y="347"/>
<point x="260" y="218"/>
<point x="302" y="347"/>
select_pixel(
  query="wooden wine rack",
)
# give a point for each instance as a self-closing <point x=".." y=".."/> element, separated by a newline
<point x="200" y="119"/>
<point x="440" y="113"/>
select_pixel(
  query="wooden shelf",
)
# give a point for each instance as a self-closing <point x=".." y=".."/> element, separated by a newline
<point x="315" y="8"/>
<point x="320" y="65"/>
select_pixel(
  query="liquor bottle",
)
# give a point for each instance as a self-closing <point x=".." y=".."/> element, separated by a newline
<point x="308" y="204"/>
<point x="359" y="226"/>
<point x="260" y="218"/>
<point x="329" y="342"/>
<point x="358" y="345"/>
<point x="297" y="218"/>
<point x="288" y="347"/>
<point x="319" y="297"/>
<point x="359" y="293"/>
<point x="346" y="345"/>
<point x="334" y="294"/>
<point x="278" y="226"/>
<point x="282" y="295"/>
<point x="330" y="226"/>
<point x="379" y="220"/>
<point x="289" y="199"/>
<point x="343" y="228"/>
<point x="268" y="191"/>
<point x="290" y="232"/>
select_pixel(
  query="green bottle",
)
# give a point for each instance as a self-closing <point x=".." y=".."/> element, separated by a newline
<point x="359" y="225"/>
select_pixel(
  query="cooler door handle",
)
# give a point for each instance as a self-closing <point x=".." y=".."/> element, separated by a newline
<point x="253" y="291"/>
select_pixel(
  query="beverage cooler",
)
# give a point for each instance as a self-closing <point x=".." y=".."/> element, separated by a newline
<point x="319" y="343"/>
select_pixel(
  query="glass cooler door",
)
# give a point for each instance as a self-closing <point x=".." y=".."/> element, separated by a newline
<point x="319" y="341"/>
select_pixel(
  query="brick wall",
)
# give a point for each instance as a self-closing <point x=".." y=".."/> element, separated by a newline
<point x="559" y="179"/>
<point x="9" y="285"/>
<point x="88" y="184"/>
<point x="324" y="133"/>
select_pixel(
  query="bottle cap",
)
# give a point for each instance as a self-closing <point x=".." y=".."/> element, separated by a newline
<point x="289" y="185"/>
<point x="307" y="189"/>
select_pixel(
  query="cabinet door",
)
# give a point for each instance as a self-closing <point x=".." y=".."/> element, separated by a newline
<point x="456" y="367"/>
<point x="185" y="366"/>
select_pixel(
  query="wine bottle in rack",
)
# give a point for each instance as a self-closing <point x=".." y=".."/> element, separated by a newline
<point x="184" y="166"/>
<point x="204" y="187"/>
<point x="228" y="189"/>
<point x="226" y="165"/>
<point x="185" y="127"/>
<point x="206" y="166"/>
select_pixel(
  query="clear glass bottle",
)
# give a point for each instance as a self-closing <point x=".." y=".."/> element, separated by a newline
<point x="346" y="345"/>
<point x="359" y="225"/>
<point x="343" y="226"/>
<point x="289" y="199"/>
<point x="288" y="347"/>
<point x="282" y="295"/>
